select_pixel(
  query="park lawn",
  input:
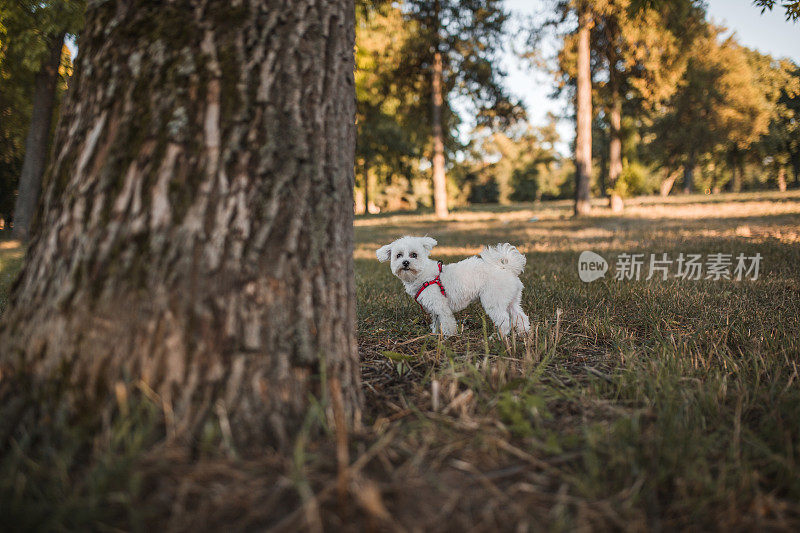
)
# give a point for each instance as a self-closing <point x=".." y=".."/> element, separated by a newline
<point x="633" y="405"/>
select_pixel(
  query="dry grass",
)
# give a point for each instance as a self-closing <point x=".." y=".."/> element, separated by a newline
<point x="633" y="405"/>
<point x="636" y="404"/>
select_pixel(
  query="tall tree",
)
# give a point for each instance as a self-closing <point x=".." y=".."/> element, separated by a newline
<point x="717" y="106"/>
<point x="779" y="82"/>
<point x="573" y="20"/>
<point x="195" y="238"/>
<point x="36" y="144"/>
<point x="389" y="120"/>
<point x="583" y="113"/>
<point x="457" y="49"/>
<point x="39" y="35"/>
<point x="640" y="48"/>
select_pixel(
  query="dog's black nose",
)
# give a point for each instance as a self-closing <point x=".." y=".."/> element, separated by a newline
<point x="405" y="263"/>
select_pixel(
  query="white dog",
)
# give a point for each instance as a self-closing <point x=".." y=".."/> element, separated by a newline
<point x="492" y="277"/>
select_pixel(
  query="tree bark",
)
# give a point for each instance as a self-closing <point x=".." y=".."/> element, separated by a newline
<point x="583" y="115"/>
<point x="196" y="234"/>
<point x="795" y="159"/>
<point x="615" y="152"/>
<point x="36" y="143"/>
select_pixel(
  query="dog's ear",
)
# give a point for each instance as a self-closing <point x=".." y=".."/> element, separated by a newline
<point x="384" y="253"/>
<point x="428" y="243"/>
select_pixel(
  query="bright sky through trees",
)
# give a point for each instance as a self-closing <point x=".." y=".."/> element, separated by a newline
<point x="768" y="33"/>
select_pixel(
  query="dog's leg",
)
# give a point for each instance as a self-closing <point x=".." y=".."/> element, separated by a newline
<point x="519" y="319"/>
<point x="498" y="313"/>
<point x="443" y="319"/>
<point x="447" y="323"/>
<point x="435" y="325"/>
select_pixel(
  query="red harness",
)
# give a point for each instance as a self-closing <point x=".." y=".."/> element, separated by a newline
<point x="434" y="281"/>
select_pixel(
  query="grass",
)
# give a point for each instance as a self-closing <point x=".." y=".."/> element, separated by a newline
<point x="639" y="405"/>
<point x="633" y="405"/>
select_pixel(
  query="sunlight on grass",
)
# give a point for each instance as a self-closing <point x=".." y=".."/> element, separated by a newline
<point x="679" y="396"/>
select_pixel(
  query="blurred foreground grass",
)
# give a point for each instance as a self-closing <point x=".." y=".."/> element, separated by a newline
<point x="634" y="405"/>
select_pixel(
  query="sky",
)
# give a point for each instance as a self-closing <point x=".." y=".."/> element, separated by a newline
<point x="768" y="33"/>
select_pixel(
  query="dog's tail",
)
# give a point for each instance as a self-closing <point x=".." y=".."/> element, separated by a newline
<point x="505" y="256"/>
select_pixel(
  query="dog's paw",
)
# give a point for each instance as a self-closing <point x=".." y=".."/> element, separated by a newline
<point x="449" y="331"/>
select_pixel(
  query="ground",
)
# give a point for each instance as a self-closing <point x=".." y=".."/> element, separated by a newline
<point x="634" y="405"/>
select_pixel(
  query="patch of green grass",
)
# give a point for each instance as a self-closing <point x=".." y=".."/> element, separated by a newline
<point x="666" y="404"/>
<point x="633" y="405"/>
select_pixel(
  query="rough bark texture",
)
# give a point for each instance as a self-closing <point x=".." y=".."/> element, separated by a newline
<point x="583" y="114"/>
<point x="30" y="179"/>
<point x="196" y="233"/>
<point x="615" y="153"/>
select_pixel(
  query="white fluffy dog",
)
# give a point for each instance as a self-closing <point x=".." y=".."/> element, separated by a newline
<point x="492" y="277"/>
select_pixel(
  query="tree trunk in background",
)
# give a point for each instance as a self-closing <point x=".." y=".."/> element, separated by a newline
<point x="736" y="179"/>
<point x="196" y="234"/>
<point x="688" y="173"/>
<point x="366" y="186"/>
<point x="737" y="169"/>
<point x="615" y="152"/>
<point x="583" y="114"/>
<point x="30" y="179"/>
<point x="782" y="179"/>
<point x="666" y="185"/>
<point x="439" y="178"/>
<point x="795" y="158"/>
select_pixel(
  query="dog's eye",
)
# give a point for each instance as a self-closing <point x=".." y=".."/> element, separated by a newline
<point x="400" y="255"/>
<point x="413" y="255"/>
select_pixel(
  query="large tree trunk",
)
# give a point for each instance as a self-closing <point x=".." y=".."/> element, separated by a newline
<point x="583" y="113"/>
<point x="196" y="234"/>
<point x="30" y="179"/>
<point x="615" y="152"/>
